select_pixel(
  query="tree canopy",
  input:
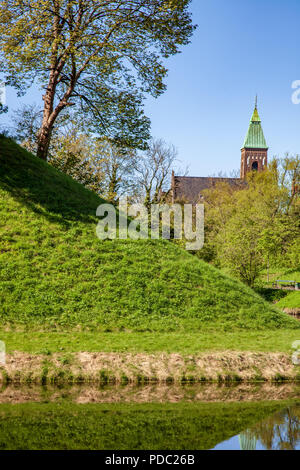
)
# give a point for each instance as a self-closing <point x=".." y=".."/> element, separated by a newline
<point x="249" y="229"/>
<point x="99" y="56"/>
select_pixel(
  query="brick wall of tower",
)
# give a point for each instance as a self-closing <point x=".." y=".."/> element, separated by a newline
<point x="250" y="156"/>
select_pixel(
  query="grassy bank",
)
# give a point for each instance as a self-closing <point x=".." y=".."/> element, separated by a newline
<point x="144" y="368"/>
<point x="123" y="426"/>
<point x="95" y="357"/>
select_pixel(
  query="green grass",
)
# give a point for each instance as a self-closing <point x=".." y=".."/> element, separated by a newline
<point x="281" y="274"/>
<point x="137" y="342"/>
<point x="292" y="301"/>
<point x="56" y="274"/>
<point x="271" y="295"/>
<point x="127" y="426"/>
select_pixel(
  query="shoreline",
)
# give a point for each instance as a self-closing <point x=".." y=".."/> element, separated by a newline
<point x="145" y="368"/>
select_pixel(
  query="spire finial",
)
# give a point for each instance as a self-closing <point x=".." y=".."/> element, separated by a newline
<point x="256" y="102"/>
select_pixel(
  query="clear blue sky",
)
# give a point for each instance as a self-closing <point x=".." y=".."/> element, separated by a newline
<point x="241" y="47"/>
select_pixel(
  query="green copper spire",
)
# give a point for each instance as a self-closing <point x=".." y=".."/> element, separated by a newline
<point x="255" y="138"/>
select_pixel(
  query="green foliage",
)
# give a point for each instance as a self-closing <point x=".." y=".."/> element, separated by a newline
<point x="127" y="426"/>
<point x="292" y="258"/>
<point x="99" y="57"/>
<point x="54" y="272"/>
<point x="77" y="154"/>
<point x="254" y="227"/>
<point x="98" y="164"/>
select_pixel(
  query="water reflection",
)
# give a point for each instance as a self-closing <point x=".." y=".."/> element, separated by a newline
<point x="86" y="393"/>
<point x="197" y="417"/>
<point x="278" y="432"/>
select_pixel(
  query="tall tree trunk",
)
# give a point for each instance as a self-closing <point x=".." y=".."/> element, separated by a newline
<point x="44" y="141"/>
<point x="50" y="114"/>
<point x="44" y="135"/>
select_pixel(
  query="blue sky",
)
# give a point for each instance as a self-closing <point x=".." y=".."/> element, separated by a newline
<point x="241" y="47"/>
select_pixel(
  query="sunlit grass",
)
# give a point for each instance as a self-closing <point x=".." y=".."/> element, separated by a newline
<point x="183" y="343"/>
<point x="292" y="301"/>
<point x="56" y="274"/>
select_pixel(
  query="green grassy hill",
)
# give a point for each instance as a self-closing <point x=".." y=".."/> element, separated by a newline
<point x="292" y="301"/>
<point x="54" y="272"/>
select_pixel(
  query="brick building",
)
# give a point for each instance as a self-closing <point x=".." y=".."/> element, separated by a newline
<point x="254" y="157"/>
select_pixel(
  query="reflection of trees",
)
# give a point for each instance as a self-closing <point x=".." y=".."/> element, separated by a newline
<point x="247" y="440"/>
<point x="280" y="431"/>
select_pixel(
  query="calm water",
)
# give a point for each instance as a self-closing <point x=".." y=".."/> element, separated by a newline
<point x="280" y="431"/>
<point x="156" y="418"/>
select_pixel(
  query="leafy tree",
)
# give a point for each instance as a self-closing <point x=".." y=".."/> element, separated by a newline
<point x="77" y="154"/>
<point x="287" y="171"/>
<point x="249" y="229"/>
<point x="219" y="207"/>
<point x="254" y="231"/>
<point x="72" y="151"/>
<point x="98" y="56"/>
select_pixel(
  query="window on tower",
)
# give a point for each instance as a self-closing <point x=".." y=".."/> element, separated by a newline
<point x="254" y="166"/>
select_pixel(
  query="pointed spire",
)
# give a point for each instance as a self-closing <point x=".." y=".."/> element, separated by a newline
<point x="255" y="115"/>
<point x="255" y="136"/>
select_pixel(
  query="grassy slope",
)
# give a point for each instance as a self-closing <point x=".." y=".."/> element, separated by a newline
<point x="292" y="301"/>
<point x="131" y="426"/>
<point x="55" y="272"/>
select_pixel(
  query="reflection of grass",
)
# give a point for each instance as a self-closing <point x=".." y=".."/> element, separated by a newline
<point x="157" y="393"/>
<point x="187" y="343"/>
<point x="126" y="426"/>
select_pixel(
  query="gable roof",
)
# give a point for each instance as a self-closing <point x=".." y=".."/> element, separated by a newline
<point x="190" y="188"/>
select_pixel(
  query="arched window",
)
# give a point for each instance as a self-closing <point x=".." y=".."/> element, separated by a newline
<point x="254" y="166"/>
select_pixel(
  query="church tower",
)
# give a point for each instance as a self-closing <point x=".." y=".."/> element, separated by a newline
<point x="255" y="150"/>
